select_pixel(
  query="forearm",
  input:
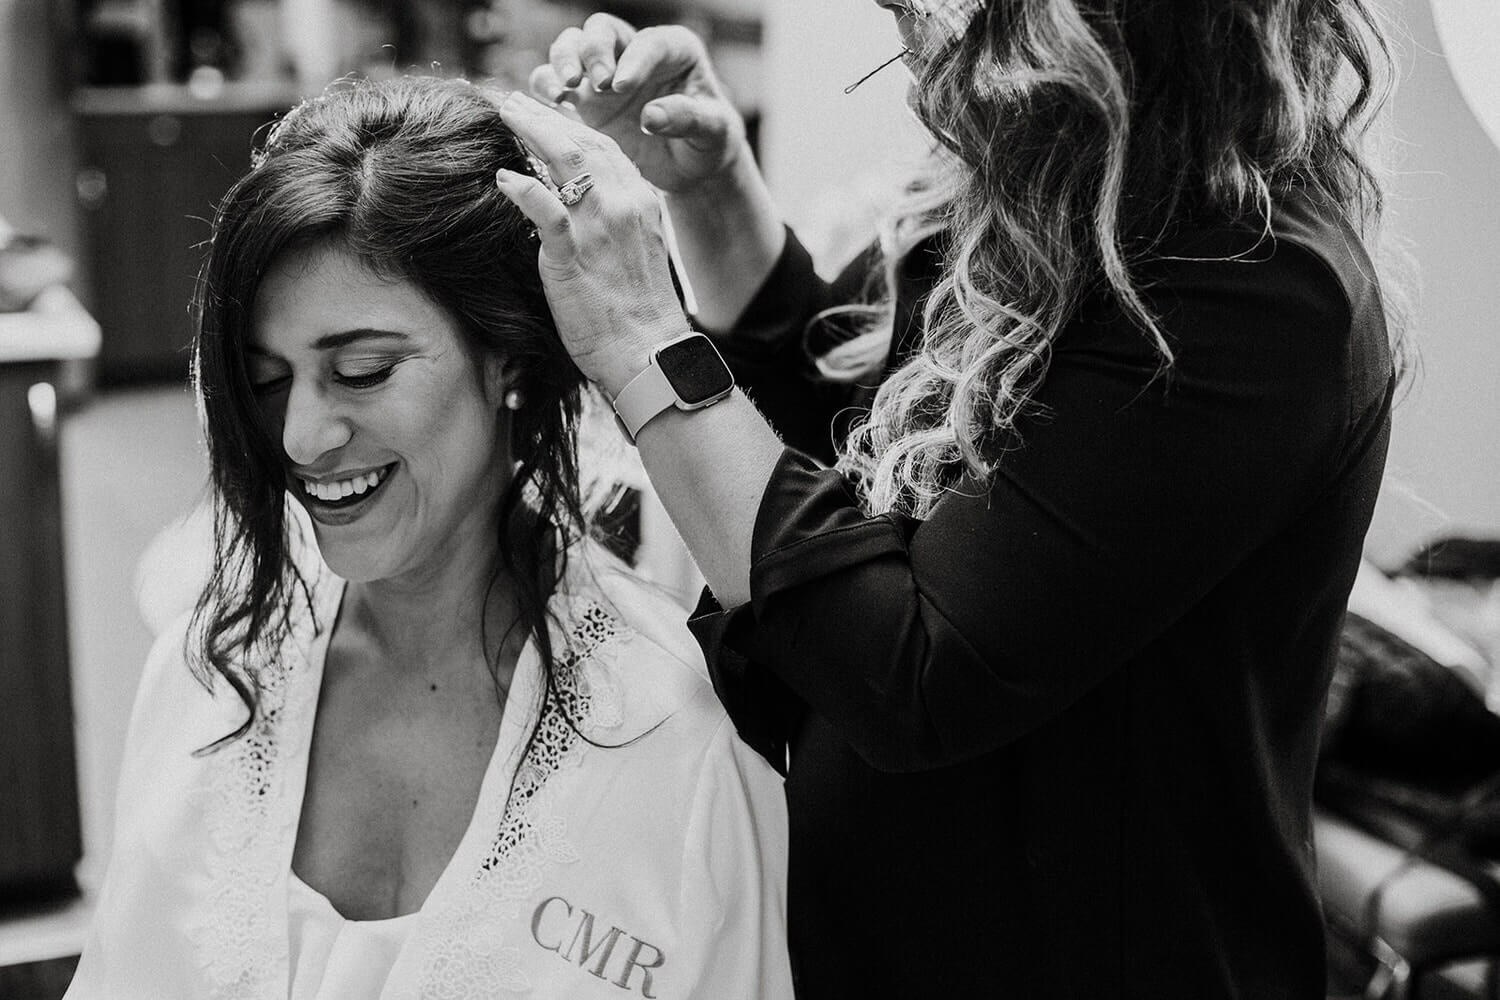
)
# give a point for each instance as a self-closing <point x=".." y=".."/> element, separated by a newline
<point x="710" y="467"/>
<point x="729" y="237"/>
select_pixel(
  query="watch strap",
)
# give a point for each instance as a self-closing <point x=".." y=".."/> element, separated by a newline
<point x="643" y="397"/>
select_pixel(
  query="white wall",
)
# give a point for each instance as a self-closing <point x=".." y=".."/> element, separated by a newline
<point x="1444" y="470"/>
<point x="1445" y="457"/>
<point x="822" y="149"/>
<point x="1470" y="35"/>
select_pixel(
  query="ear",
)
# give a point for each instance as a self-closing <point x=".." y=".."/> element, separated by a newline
<point x="498" y="380"/>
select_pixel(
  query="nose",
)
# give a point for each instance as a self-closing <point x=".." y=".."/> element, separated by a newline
<point x="311" y="424"/>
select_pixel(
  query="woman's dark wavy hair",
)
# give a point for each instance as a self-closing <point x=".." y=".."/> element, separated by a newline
<point x="400" y="174"/>
<point x="1072" y="135"/>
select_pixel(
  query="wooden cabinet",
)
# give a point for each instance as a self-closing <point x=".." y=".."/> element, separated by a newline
<point x="153" y="163"/>
<point x="39" y="822"/>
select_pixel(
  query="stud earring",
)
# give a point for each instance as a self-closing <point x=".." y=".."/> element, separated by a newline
<point x="514" y="400"/>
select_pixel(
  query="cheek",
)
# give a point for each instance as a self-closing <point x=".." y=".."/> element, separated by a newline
<point x="455" y="430"/>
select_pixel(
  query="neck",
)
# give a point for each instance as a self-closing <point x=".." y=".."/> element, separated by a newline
<point x="457" y="610"/>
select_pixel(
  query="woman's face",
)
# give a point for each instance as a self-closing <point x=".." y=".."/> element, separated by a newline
<point x="389" y="427"/>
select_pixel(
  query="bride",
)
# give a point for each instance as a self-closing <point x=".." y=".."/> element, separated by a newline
<point x="420" y="738"/>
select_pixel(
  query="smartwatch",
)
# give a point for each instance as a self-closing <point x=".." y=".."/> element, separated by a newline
<point x="687" y="373"/>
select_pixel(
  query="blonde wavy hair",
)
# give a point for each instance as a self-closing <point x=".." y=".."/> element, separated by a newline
<point x="1068" y="135"/>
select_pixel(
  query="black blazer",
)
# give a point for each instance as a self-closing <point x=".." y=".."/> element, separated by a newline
<point x="1057" y="739"/>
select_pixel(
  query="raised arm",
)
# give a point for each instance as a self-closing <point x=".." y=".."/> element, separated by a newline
<point x="1125" y="502"/>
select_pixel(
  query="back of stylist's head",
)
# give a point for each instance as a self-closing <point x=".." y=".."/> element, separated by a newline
<point x="1072" y="139"/>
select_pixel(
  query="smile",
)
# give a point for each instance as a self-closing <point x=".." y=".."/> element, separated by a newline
<point x="337" y="494"/>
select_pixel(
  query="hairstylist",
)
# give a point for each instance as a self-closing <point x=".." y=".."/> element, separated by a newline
<point x="1046" y="648"/>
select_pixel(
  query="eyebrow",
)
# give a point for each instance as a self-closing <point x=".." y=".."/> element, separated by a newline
<point x="346" y="337"/>
<point x="332" y="341"/>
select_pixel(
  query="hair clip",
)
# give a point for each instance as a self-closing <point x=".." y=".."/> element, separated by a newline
<point x="855" y="85"/>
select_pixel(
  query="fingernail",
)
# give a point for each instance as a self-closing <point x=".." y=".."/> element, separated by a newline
<point x="504" y="177"/>
<point x="652" y="119"/>
<point x="600" y="78"/>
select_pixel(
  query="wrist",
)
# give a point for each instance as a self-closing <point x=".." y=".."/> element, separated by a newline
<point x="738" y="183"/>
<point x="612" y="366"/>
<point x="686" y="373"/>
<point x="728" y="240"/>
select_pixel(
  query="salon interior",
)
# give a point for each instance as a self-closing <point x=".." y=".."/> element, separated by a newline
<point x="121" y="123"/>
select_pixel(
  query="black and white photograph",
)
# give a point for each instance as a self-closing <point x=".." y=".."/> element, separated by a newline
<point x="749" y="499"/>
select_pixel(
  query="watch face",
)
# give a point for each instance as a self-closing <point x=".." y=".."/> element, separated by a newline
<point x="693" y="366"/>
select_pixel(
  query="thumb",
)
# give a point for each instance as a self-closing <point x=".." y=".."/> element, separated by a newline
<point x="537" y="202"/>
<point x="702" y="122"/>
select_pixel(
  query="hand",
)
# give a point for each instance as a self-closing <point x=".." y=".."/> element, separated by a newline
<point x="655" y="94"/>
<point x="603" y="260"/>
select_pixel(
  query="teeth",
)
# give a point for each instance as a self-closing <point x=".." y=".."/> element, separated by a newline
<point x="340" y="488"/>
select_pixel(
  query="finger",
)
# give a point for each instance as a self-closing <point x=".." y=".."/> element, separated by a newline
<point x="658" y="53"/>
<point x="541" y="206"/>
<point x="546" y="86"/>
<point x="567" y="147"/>
<point x="700" y="122"/>
<point x="563" y="57"/>
<point x="604" y="37"/>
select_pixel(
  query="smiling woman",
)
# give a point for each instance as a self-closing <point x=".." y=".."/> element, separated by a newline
<point x="439" y="743"/>
<point x="386" y="417"/>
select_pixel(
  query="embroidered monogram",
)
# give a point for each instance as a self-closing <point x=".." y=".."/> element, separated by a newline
<point x="571" y="932"/>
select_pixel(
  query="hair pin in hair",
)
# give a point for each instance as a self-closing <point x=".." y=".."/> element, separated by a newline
<point x="538" y="168"/>
<point x="856" y="84"/>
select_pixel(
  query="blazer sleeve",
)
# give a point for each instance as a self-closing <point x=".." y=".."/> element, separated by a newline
<point x="1124" y="498"/>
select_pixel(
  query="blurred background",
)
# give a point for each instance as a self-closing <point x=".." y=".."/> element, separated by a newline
<point x="122" y="122"/>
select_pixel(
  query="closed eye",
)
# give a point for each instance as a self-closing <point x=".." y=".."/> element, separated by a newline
<point x="267" y="385"/>
<point x="364" y="379"/>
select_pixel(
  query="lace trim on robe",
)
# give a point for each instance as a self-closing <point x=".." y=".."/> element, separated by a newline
<point x="466" y="954"/>
<point x="242" y="942"/>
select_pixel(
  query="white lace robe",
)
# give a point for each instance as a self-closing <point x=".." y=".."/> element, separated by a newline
<point x="656" y="869"/>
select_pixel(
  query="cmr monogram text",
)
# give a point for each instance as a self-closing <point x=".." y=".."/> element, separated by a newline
<point x="558" y="927"/>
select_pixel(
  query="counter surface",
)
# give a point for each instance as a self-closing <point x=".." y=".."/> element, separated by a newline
<point x="55" y="328"/>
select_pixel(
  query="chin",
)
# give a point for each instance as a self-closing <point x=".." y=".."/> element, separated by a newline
<point x="354" y="563"/>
